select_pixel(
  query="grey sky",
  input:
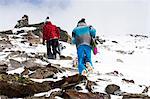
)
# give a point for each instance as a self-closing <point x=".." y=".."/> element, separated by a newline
<point x="107" y="16"/>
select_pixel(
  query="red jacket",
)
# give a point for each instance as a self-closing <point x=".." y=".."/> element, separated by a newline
<point x="50" y="31"/>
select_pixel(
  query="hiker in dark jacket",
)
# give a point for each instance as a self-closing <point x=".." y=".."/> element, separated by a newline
<point x="81" y="36"/>
<point x="51" y="35"/>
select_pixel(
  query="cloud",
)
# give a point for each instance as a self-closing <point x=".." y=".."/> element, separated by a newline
<point x="37" y="10"/>
<point x="43" y="3"/>
<point x="107" y="16"/>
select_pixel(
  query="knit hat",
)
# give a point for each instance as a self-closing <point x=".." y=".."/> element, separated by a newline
<point x="47" y="19"/>
<point x="81" y="22"/>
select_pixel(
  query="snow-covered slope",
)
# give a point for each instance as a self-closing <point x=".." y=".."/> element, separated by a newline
<point x="121" y="58"/>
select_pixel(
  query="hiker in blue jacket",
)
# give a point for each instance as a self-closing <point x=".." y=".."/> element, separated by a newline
<point x="81" y="36"/>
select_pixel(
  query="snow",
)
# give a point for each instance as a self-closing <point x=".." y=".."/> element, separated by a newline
<point x="18" y="71"/>
<point x="47" y="94"/>
<point x="23" y="28"/>
<point x="133" y="66"/>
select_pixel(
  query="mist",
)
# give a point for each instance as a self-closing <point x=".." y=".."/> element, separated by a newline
<point x="107" y="16"/>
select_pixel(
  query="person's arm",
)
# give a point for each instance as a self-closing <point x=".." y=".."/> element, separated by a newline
<point x="92" y="31"/>
<point x="73" y="37"/>
<point x="58" y="33"/>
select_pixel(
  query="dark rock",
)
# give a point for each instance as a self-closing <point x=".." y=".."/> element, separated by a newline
<point x="30" y="44"/>
<point x="37" y="25"/>
<point x="89" y="85"/>
<point x="114" y="41"/>
<point x="23" y="22"/>
<point x="128" y="81"/>
<point x="14" y="64"/>
<point x="21" y="31"/>
<point x="65" y="57"/>
<point x="112" y="88"/>
<point x="35" y="97"/>
<point x="131" y="52"/>
<point x="4" y="36"/>
<point x="145" y="90"/>
<point x="3" y="68"/>
<point x="78" y="88"/>
<point x="80" y="95"/>
<point x="5" y="44"/>
<point x="23" y="41"/>
<point x="25" y="72"/>
<point x="32" y="38"/>
<point x="45" y="72"/>
<point x="69" y="82"/>
<point x="137" y="35"/>
<point x="120" y="51"/>
<point x="55" y="93"/>
<point x="98" y="40"/>
<point x="119" y="60"/>
<point x="135" y="96"/>
<point x="6" y="32"/>
<point x="115" y="73"/>
<point x="16" y="86"/>
<point x="64" y="36"/>
<point x="31" y="65"/>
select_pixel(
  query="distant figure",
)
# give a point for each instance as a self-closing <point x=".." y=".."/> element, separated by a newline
<point x="51" y="34"/>
<point x="81" y="36"/>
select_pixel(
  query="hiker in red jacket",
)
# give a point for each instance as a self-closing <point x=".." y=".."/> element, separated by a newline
<point x="51" y="34"/>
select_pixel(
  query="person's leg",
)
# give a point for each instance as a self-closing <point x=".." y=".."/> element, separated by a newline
<point x="80" y="53"/>
<point x="88" y="63"/>
<point x="88" y="54"/>
<point x="49" y="53"/>
<point x="57" y="47"/>
<point x="54" y="46"/>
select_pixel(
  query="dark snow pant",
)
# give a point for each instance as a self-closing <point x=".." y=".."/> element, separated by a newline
<point x="49" y="51"/>
<point x="55" y="48"/>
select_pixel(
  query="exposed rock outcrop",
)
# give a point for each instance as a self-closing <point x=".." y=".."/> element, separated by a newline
<point x="23" y="22"/>
<point x="80" y="95"/>
<point x="3" y="68"/>
<point x="135" y="96"/>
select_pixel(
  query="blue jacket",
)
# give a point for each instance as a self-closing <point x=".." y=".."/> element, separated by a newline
<point x="81" y="35"/>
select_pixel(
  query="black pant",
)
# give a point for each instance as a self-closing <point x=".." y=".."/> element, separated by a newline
<point x="55" y="48"/>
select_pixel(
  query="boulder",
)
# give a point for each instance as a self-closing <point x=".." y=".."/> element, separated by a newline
<point x="19" y="87"/>
<point x="112" y="89"/>
<point x="135" y="96"/>
<point x="23" y="22"/>
<point x="43" y="72"/>
<point x="81" y="95"/>
<point x="62" y="57"/>
<point x="3" y="68"/>
<point x="6" y="32"/>
<point x="5" y="44"/>
<point x="14" y="64"/>
<point x="32" y="38"/>
<point x="64" y="36"/>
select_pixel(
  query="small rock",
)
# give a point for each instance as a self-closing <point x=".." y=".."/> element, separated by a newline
<point x="78" y="88"/>
<point x="135" y="96"/>
<point x="112" y="88"/>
